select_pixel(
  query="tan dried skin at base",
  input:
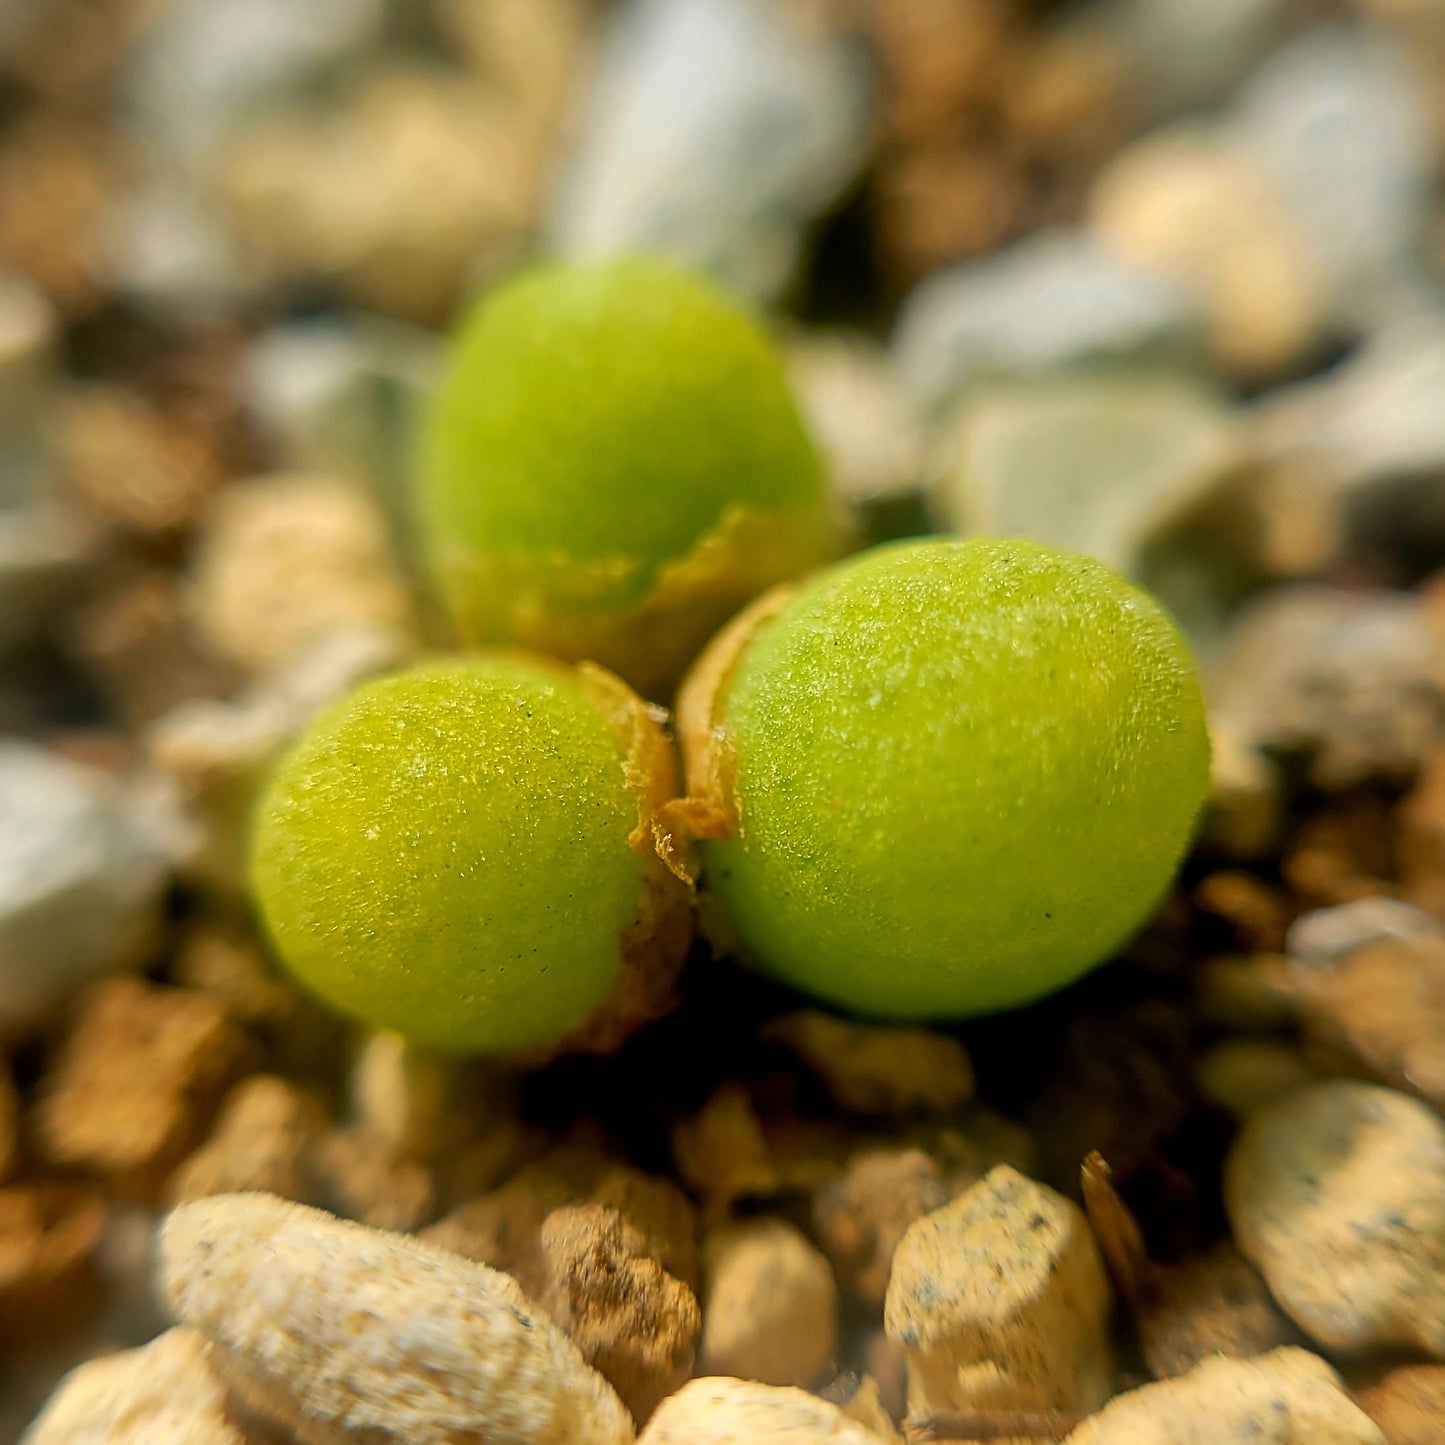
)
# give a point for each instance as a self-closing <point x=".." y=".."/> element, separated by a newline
<point x="711" y="809"/>
<point x="346" y="1334"/>
<point x="655" y="944"/>
<point x="649" y="644"/>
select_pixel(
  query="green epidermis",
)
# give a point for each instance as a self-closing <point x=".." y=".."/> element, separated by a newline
<point x="966" y="772"/>
<point x="445" y="854"/>
<point x="607" y="416"/>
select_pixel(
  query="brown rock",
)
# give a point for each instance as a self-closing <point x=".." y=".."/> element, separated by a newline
<point x="263" y="1140"/>
<point x="945" y="201"/>
<point x="887" y="1363"/>
<point x="136" y="638"/>
<point x="861" y="1217"/>
<point x="659" y="1212"/>
<point x="230" y="968"/>
<point x="363" y="1176"/>
<point x="770" y="1304"/>
<point x="48" y="1233"/>
<point x="1246" y="797"/>
<point x="55" y="185"/>
<point x="1343" y="854"/>
<point x="633" y="1322"/>
<point x="1216" y="1304"/>
<point x="134" y="467"/>
<point x="1254" y="993"/>
<point x="137" y="1081"/>
<point x="1258" y="914"/>
<point x="1242" y="1075"/>
<point x="721" y="1151"/>
<point x="1062" y="98"/>
<point x="502" y="1228"/>
<point x="381" y="191"/>
<point x="876" y="1069"/>
<point x="1001" y="1301"/>
<point x="1421" y="839"/>
<point x="1408" y="1404"/>
<point x="9" y="1123"/>
<point x="1382" y="1008"/>
<point x="286" y="559"/>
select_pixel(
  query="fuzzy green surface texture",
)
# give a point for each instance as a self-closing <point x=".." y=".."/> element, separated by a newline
<point x="596" y="425"/>
<point x="445" y="854"/>
<point x="966" y="771"/>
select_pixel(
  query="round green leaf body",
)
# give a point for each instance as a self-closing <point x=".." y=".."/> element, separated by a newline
<point x="614" y="465"/>
<point x="964" y="772"/>
<point x="445" y="853"/>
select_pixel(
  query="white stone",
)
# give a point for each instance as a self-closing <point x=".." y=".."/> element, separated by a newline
<point x="81" y="881"/>
<point x="1052" y="301"/>
<point x="716" y="131"/>
<point x="1340" y="119"/>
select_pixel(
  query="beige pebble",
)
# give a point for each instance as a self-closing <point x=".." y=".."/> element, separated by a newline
<point x="1000" y="1300"/>
<point x="381" y="191"/>
<point x="633" y="1322"/>
<point x="1185" y="203"/>
<point x="722" y="1153"/>
<point x="49" y="1234"/>
<point x="1336" y="1193"/>
<point x="286" y="559"/>
<point x="1287" y="1397"/>
<point x="262" y="1140"/>
<point x="722" y="1411"/>
<point x="878" y="1069"/>
<point x="770" y="1304"/>
<point x="163" y="1394"/>
<point x="400" y="1092"/>
<point x="347" y="1334"/>
<point x="1380" y="1009"/>
<point x="361" y="1174"/>
<point x="136" y="1081"/>
<point x="1213" y="1304"/>
<point x="860" y="1217"/>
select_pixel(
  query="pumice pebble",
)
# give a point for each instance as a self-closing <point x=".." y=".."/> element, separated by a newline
<point x="1288" y="1395"/>
<point x="163" y="1394"/>
<point x="717" y="1410"/>
<point x="348" y="1336"/>
<point x="1000" y="1301"/>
